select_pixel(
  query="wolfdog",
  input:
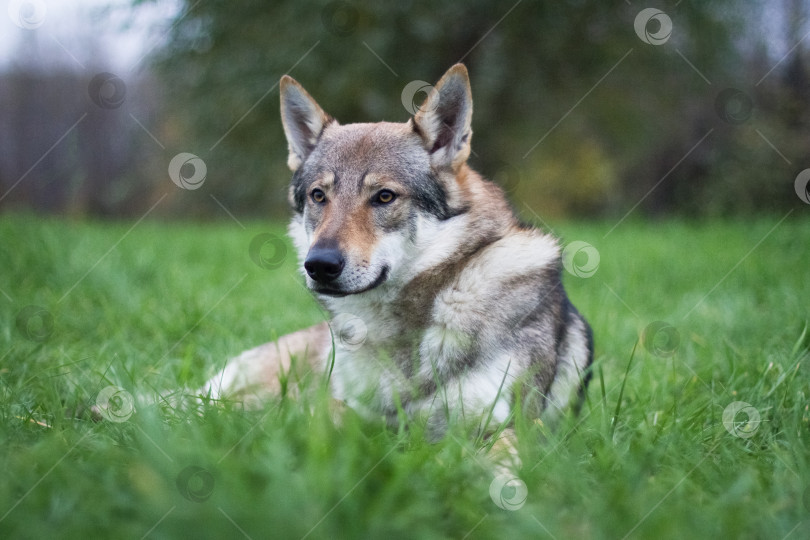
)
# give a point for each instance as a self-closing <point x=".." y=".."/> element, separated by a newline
<point x="443" y="304"/>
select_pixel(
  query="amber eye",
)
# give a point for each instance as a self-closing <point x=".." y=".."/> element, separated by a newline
<point x="385" y="196"/>
<point x="318" y="196"/>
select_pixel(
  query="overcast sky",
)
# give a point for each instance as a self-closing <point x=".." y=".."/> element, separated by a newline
<point x="79" y="33"/>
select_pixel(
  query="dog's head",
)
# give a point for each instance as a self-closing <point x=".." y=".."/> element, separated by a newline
<point x="362" y="192"/>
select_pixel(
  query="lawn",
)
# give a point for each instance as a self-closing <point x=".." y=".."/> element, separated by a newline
<point x="689" y="318"/>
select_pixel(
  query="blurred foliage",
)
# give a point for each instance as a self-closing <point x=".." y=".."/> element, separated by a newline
<point x="574" y="113"/>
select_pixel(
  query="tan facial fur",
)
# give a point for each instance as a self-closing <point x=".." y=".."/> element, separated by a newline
<point x="345" y="219"/>
<point x="351" y="218"/>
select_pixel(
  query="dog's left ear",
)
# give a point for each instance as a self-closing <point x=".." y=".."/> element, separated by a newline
<point x="444" y="119"/>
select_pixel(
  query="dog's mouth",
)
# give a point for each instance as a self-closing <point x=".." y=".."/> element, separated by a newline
<point x="328" y="291"/>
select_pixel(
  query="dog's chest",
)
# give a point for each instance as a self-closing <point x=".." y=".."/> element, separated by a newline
<point x="384" y="358"/>
<point x="456" y="332"/>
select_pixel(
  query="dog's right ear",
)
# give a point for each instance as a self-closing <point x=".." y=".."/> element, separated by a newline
<point x="303" y="121"/>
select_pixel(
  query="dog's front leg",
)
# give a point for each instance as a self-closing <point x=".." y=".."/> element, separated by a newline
<point x="256" y="374"/>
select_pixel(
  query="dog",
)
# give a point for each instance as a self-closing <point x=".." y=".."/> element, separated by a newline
<point x="443" y="304"/>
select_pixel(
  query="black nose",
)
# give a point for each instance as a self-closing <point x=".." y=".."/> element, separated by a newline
<point x="324" y="264"/>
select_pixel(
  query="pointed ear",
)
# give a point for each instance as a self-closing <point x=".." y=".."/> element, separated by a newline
<point x="303" y="120"/>
<point x="444" y="119"/>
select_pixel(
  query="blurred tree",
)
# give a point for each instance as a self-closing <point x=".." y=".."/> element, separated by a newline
<point x="573" y="110"/>
<point x="578" y="112"/>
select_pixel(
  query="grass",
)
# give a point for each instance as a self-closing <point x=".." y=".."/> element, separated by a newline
<point x="161" y="306"/>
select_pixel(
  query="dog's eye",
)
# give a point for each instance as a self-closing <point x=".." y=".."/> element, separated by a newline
<point x="318" y="196"/>
<point x="385" y="196"/>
